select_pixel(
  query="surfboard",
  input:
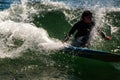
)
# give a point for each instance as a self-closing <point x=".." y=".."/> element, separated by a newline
<point x="91" y="54"/>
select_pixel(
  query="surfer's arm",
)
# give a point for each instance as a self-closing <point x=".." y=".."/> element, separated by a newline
<point x="104" y="35"/>
<point x="71" y="32"/>
<point x="66" y="38"/>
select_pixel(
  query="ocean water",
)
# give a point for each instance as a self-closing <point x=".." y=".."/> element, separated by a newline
<point x="31" y="35"/>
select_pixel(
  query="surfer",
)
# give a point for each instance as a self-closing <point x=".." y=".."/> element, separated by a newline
<point x="83" y="29"/>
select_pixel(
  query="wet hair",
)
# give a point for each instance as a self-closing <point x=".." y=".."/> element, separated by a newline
<point x="86" y="13"/>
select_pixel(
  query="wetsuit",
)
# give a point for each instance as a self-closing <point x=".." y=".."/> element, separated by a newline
<point x="82" y="33"/>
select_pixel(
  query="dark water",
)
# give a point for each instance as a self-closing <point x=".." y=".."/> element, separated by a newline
<point x="31" y="34"/>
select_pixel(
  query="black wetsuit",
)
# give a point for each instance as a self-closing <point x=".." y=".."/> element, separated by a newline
<point x="82" y="29"/>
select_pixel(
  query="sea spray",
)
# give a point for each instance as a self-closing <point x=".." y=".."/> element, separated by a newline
<point x="18" y="37"/>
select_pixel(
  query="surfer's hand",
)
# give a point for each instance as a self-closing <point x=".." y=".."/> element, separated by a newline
<point x="107" y="38"/>
<point x="66" y="38"/>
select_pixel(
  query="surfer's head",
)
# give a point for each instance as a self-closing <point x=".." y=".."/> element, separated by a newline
<point x="87" y="16"/>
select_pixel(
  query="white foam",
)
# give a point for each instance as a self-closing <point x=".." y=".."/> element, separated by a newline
<point x="31" y="37"/>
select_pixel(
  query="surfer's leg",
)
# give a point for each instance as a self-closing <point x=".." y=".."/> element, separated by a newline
<point x="75" y="43"/>
<point x="78" y="42"/>
<point x="81" y="41"/>
<point x="85" y="41"/>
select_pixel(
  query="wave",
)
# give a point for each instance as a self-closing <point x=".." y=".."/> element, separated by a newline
<point x="46" y="22"/>
<point x="30" y="34"/>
